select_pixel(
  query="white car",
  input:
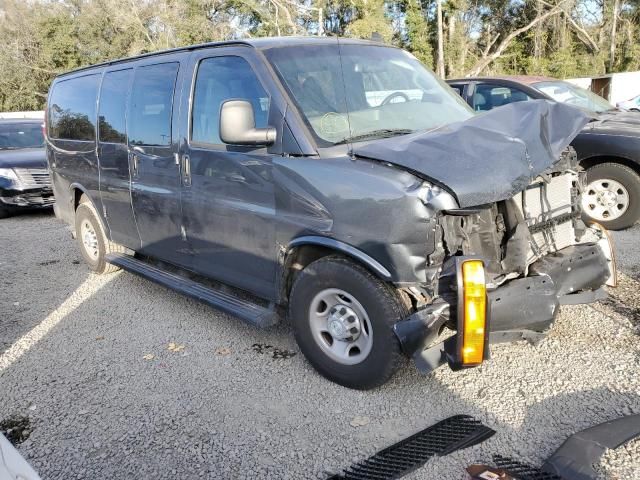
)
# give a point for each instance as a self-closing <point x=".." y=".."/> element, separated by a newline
<point x="12" y="465"/>
<point x="632" y="105"/>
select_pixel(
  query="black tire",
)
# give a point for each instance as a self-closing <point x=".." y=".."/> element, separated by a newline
<point x="4" y="212"/>
<point x="87" y="212"/>
<point x="383" y="308"/>
<point x="631" y="182"/>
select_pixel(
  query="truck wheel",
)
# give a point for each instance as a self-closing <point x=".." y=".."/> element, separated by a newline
<point x="612" y="196"/>
<point x="342" y="317"/>
<point x="93" y="242"/>
<point x="4" y="213"/>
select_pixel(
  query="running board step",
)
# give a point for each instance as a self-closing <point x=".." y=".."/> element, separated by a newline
<point x="250" y="312"/>
<point x="445" y="437"/>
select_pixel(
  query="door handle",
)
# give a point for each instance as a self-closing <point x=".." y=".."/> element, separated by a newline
<point x="186" y="170"/>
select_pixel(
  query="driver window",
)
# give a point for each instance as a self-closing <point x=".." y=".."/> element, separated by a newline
<point x="220" y="79"/>
<point x="487" y="96"/>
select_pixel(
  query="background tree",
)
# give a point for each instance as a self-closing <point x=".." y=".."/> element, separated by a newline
<point x="561" y="38"/>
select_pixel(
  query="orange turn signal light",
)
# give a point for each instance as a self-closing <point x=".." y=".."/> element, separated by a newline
<point x="474" y="297"/>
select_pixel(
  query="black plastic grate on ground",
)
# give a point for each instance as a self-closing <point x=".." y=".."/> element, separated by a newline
<point x="449" y="435"/>
<point x="522" y="471"/>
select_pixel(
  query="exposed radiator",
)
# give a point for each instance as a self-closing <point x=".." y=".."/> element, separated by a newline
<point x="548" y="208"/>
<point x="33" y="177"/>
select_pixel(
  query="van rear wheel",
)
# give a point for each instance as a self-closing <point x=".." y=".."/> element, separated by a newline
<point x="343" y="319"/>
<point x="92" y="240"/>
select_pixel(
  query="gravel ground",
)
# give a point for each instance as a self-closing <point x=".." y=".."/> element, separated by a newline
<point x="120" y="378"/>
<point x="628" y="250"/>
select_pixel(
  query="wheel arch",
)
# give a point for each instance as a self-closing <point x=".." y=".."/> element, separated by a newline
<point x="303" y="250"/>
<point x="597" y="159"/>
<point x="77" y="191"/>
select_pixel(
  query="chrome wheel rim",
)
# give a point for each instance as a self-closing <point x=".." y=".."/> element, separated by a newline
<point x="89" y="239"/>
<point x="605" y="199"/>
<point x="340" y="326"/>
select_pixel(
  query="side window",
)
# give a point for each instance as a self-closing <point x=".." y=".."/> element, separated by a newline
<point x="72" y="109"/>
<point x="113" y="106"/>
<point x="487" y="96"/>
<point x="152" y="105"/>
<point x="220" y="79"/>
<point x="458" y="89"/>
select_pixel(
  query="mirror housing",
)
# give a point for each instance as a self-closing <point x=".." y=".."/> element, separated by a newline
<point x="238" y="125"/>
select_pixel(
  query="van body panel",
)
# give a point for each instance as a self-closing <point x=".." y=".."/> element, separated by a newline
<point x="228" y="201"/>
<point x="155" y="182"/>
<point x="370" y="206"/>
<point x="113" y="155"/>
<point x="75" y="161"/>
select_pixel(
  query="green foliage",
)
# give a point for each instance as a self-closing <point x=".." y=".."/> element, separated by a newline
<point x="419" y="42"/>
<point x="41" y="38"/>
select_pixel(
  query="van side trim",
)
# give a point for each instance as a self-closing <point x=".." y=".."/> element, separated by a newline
<point x="373" y="264"/>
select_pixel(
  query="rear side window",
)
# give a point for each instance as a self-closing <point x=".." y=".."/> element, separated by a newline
<point x="113" y="106"/>
<point x="72" y="109"/>
<point x="152" y="105"/>
<point x="220" y="79"/>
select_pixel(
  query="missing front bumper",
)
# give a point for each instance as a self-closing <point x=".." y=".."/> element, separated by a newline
<point x="519" y="309"/>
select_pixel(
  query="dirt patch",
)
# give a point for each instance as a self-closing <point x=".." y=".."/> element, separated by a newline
<point x="16" y="428"/>
<point x="277" y="353"/>
<point x="48" y="262"/>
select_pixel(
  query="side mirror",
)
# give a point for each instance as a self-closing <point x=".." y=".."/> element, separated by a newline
<point x="238" y="125"/>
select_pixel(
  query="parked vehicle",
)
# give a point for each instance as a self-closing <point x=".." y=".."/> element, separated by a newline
<point x="632" y="105"/>
<point x="608" y="148"/>
<point x="13" y="466"/>
<point x="24" y="178"/>
<point x="310" y="174"/>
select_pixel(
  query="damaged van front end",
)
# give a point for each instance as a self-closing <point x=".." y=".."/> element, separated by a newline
<point x="511" y="217"/>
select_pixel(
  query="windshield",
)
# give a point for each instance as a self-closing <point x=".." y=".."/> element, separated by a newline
<point x="378" y="92"/>
<point x="573" y="95"/>
<point x="14" y="136"/>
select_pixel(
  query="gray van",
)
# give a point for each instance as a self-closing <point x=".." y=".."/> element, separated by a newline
<point x="334" y="182"/>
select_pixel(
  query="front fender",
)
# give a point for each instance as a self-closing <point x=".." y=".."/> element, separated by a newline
<point x="345" y="248"/>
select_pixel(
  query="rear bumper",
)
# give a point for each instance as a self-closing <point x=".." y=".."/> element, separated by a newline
<point x="521" y="308"/>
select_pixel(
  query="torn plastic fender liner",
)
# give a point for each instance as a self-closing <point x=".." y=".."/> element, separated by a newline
<point x="489" y="157"/>
<point x="576" y="456"/>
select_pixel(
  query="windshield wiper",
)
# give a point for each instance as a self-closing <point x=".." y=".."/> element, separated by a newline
<point x="381" y="133"/>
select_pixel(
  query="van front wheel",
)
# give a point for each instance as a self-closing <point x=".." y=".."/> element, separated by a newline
<point x="92" y="240"/>
<point x="343" y="319"/>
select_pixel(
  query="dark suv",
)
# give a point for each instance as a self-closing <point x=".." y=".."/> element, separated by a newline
<point x="24" y="178"/>
<point x="608" y="148"/>
<point x="338" y="181"/>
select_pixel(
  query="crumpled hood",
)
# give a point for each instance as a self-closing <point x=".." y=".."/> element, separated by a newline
<point x="23" y="158"/>
<point x="489" y="157"/>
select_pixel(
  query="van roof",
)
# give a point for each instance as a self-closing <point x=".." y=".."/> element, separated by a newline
<point x="259" y="43"/>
